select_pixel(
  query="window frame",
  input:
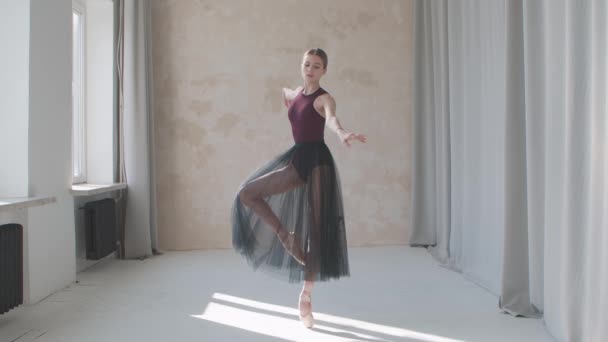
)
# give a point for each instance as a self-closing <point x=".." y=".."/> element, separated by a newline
<point x="79" y="174"/>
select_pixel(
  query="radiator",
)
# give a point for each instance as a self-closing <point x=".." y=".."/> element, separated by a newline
<point x="11" y="266"/>
<point x="100" y="228"/>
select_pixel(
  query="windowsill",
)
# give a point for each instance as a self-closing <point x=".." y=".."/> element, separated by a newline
<point x="16" y="203"/>
<point x="86" y="189"/>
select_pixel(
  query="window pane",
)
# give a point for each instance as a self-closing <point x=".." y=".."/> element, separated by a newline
<point x="78" y="155"/>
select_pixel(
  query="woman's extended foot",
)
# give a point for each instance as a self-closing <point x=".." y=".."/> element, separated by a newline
<point x="288" y="241"/>
<point x="305" y="306"/>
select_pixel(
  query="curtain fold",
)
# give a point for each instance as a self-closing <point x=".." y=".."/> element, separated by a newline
<point x="119" y="165"/>
<point x="136" y="129"/>
<point x="431" y="156"/>
<point x="515" y="289"/>
<point x="524" y="213"/>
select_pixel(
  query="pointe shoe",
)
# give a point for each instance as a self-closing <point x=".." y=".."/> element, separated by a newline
<point x="288" y="241"/>
<point x="307" y="319"/>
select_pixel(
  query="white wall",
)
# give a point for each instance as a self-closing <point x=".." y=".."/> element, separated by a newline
<point x="99" y="78"/>
<point x="50" y="227"/>
<point x="14" y="59"/>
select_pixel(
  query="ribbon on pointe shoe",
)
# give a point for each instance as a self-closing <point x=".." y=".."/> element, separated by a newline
<point x="288" y="240"/>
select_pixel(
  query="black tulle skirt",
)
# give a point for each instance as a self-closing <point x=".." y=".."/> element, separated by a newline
<point x="302" y="189"/>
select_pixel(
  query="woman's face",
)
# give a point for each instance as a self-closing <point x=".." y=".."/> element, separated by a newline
<point x="312" y="68"/>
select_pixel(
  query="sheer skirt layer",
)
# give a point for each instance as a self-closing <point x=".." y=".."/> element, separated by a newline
<point x="298" y="191"/>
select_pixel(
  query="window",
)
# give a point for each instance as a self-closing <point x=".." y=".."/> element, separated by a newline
<point x="78" y="92"/>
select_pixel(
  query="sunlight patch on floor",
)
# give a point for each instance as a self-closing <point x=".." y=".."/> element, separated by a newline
<point x="273" y="323"/>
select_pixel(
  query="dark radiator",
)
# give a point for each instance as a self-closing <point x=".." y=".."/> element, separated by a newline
<point x="11" y="266"/>
<point x="100" y="228"/>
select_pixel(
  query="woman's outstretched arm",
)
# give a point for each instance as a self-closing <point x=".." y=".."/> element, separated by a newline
<point x="328" y="105"/>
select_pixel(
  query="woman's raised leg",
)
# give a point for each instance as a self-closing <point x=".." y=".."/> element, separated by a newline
<point x="253" y="193"/>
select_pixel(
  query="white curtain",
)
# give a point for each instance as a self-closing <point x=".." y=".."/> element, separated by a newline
<point x="459" y="136"/>
<point x="511" y="154"/>
<point x="136" y="157"/>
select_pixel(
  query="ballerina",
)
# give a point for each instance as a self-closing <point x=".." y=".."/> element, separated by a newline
<point x="298" y="195"/>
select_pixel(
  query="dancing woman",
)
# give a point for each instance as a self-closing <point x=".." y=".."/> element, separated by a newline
<point x="288" y="216"/>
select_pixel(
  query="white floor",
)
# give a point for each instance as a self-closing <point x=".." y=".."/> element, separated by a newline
<point x="394" y="294"/>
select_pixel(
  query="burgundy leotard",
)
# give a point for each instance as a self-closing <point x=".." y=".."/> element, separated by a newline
<point x="307" y="125"/>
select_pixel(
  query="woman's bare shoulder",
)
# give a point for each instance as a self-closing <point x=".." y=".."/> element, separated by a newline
<point x="324" y="103"/>
<point x="325" y="99"/>
<point x="290" y="94"/>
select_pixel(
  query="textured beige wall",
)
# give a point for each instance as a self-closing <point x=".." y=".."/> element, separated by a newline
<point x="218" y="71"/>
